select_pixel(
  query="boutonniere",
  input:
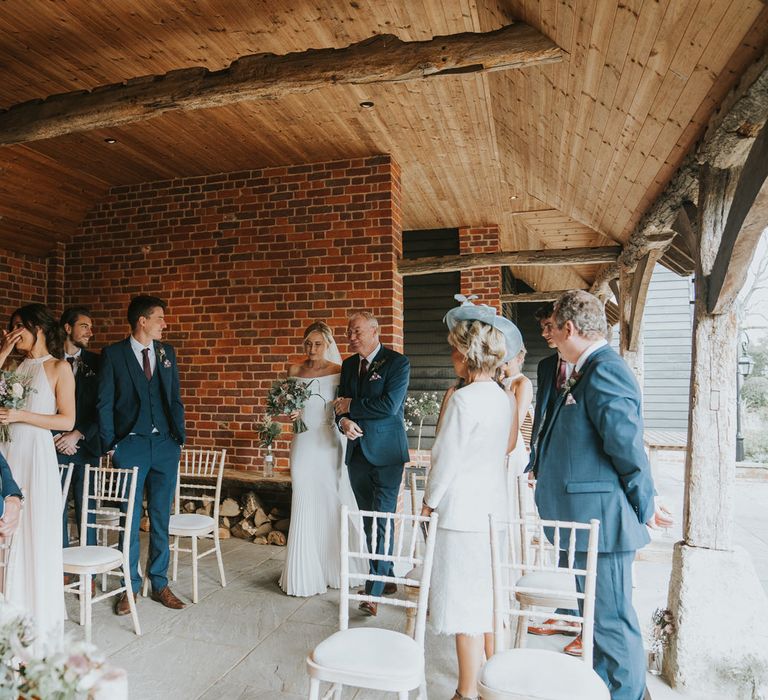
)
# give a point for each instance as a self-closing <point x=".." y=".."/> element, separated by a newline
<point x="84" y="369"/>
<point x="571" y="382"/>
<point x="374" y="377"/>
<point x="163" y="357"/>
<point x="376" y="365"/>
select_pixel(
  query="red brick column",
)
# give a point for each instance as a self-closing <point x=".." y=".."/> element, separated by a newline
<point x="484" y="281"/>
<point x="23" y="282"/>
<point x="55" y="264"/>
<point x="246" y="260"/>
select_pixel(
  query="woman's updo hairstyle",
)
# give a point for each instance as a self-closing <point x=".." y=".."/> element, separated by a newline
<point x="323" y="329"/>
<point x="482" y="345"/>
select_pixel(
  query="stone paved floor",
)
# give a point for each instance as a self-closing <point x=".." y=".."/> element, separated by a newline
<point x="249" y="641"/>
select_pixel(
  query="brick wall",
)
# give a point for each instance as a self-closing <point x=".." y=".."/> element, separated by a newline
<point x="245" y="260"/>
<point x="24" y="281"/>
<point x="486" y="282"/>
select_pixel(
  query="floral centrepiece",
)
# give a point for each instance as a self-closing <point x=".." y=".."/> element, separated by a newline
<point x="74" y="671"/>
<point x="14" y="391"/>
<point x="288" y="396"/>
<point x="268" y="431"/>
<point x="662" y="628"/>
<point x="417" y="408"/>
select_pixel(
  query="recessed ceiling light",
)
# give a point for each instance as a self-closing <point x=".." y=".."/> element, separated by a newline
<point x="110" y="140"/>
<point x="367" y="104"/>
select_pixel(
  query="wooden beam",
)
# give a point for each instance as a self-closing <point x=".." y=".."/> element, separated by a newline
<point x="641" y="279"/>
<point x="532" y="297"/>
<point x="381" y="59"/>
<point x="747" y="217"/>
<point x="520" y="258"/>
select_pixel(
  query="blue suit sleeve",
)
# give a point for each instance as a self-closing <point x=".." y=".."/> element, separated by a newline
<point x="8" y="485"/>
<point x="392" y="397"/>
<point x="177" y="407"/>
<point x="614" y="409"/>
<point x="105" y="407"/>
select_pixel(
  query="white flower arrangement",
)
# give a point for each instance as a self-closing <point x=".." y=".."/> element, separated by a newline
<point x="417" y="408"/>
<point x="73" y="671"/>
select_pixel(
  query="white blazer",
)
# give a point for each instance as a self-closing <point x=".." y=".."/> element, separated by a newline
<point x="467" y="480"/>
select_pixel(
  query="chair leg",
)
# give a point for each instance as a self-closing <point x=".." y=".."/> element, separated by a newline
<point x="175" y="548"/>
<point x="145" y="586"/>
<point x="217" y="544"/>
<point x="423" y="690"/>
<point x="81" y="598"/>
<point x="194" y="569"/>
<point x="85" y="584"/>
<point x="314" y="689"/>
<point x="403" y="695"/>
<point x="131" y="601"/>
<point x="337" y="691"/>
<point x="522" y="630"/>
<point x="412" y="594"/>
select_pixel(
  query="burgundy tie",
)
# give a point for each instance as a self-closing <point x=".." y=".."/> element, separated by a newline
<point x="363" y="367"/>
<point x="561" y="375"/>
<point x="71" y="361"/>
<point x="145" y="364"/>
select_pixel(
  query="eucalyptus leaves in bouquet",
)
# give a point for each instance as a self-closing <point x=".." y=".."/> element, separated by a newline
<point x="14" y="391"/>
<point x="268" y="431"/>
<point x="417" y="408"/>
<point x="288" y="396"/>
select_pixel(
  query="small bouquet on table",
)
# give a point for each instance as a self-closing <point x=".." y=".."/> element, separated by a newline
<point x="268" y="431"/>
<point x="289" y="396"/>
<point x="662" y="628"/>
<point x="14" y="391"/>
<point x="417" y="408"/>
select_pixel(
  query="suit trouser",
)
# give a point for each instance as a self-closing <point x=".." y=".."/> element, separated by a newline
<point x="76" y="486"/>
<point x="375" y="488"/>
<point x="157" y="457"/>
<point x="619" y="658"/>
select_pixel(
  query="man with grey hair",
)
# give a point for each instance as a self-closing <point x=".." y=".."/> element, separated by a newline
<point x="369" y="411"/>
<point x="591" y="464"/>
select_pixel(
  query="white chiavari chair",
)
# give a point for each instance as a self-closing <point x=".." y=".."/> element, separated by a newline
<point x="521" y="674"/>
<point x="200" y="475"/>
<point x="113" y="485"/>
<point x="372" y="657"/>
<point x="65" y="474"/>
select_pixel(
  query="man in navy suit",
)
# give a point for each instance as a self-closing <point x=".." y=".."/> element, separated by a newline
<point x="592" y="464"/>
<point x="369" y="411"/>
<point x="141" y="418"/>
<point x="81" y="445"/>
<point x="10" y="500"/>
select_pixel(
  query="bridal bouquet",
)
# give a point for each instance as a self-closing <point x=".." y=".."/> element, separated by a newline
<point x="288" y="396"/>
<point x="14" y="390"/>
<point x="73" y="671"/>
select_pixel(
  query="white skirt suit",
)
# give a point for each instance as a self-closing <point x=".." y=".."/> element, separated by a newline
<point x="467" y="481"/>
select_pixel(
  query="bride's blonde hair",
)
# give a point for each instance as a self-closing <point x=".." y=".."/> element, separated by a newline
<point x="323" y="329"/>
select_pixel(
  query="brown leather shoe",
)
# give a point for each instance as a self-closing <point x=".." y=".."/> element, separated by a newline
<point x="574" y="648"/>
<point x="123" y="607"/>
<point x="390" y="588"/>
<point x="547" y="629"/>
<point x="167" y="598"/>
<point x="369" y="609"/>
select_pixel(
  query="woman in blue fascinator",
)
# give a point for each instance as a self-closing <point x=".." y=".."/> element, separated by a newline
<point x="467" y="481"/>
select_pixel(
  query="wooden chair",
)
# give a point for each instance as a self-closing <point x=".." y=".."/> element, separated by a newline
<point x="197" y="469"/>
<point x="5" y="555"/>
<point x="372" y="657"/>
<point x="110" y="484"/>
<point x="519" y="674"/>
<point x="65" y="474"/>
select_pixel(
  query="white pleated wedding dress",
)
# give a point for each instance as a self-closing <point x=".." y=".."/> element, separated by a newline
<point x="320" y="485"/>
<point x="35" y="567"/>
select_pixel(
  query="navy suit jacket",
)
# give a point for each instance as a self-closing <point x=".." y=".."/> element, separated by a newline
<point x="546" y="372"/>
<point x="591" y="461"/>
<point x="378" y="401"/>
<point x="119" y="386"/>
<point x="86" y="415"/>
<point x="8" y="486"/>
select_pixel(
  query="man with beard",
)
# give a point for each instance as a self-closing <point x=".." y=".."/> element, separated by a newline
<point x="81" y="445"/>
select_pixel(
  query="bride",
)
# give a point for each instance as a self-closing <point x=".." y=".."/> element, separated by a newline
<point x="319" y="476"/>
<point x="35" y="567"/>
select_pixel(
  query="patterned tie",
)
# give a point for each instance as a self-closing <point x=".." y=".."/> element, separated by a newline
<point x="145" y="364"/>
<point x="561" y="375"/>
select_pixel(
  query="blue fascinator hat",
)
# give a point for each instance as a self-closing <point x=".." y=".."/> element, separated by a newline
<point x="468" y="311"/>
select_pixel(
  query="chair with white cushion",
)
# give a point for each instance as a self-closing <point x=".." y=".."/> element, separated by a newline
<point x="65" y="474"/>
<point x="200" y="475"/>
<point x="524" y="674"/>
<point x="117" y="485"/>
<point x="372" y="657"/>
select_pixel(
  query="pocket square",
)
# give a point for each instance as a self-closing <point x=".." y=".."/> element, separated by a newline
<point x="374" y="377"/>
<point x="569" y="400"/>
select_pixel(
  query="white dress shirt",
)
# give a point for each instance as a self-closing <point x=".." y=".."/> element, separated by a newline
<point x="75" y="356"/>
<point x="138" y="348"/>
<point x="371" y="356"/>
<point x="583" y="357"/>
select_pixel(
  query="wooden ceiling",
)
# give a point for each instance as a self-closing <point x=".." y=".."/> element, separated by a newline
<point x="567" y="154"/>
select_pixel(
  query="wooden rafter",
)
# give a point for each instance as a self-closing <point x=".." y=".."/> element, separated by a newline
<point x="521" y="258"/>
<point x="381" y="59"/>
<point x="532" y="297"/>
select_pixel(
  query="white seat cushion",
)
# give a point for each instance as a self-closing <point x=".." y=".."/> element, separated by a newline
<point x="371" y="652"/>
<point x="416" y="573"/>
<point x="540" y="674"/>
<point x="190" y="523"/>
<point x="91" y="557"/>
<point x="550" y="581"/>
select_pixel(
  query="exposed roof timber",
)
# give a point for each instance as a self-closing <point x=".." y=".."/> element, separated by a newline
<point x="522" y="258"/>
<point x="532" y="297"/>
<point x="637" y="293"/>
<point x="381" y="59"/>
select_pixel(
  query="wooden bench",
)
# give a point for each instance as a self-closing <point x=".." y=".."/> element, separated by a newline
<point x="656" y="441"/>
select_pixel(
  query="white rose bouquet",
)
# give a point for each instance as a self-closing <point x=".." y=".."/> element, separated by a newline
<point x="289" y="396"/>
<point x="14" y="391"/>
